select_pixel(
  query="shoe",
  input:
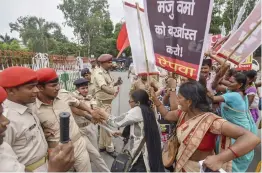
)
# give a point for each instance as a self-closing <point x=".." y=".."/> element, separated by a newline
<point x="102" y="150"/>
<point x="113" y="154"/>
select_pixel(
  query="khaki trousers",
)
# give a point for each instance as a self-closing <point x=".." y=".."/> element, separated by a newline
<point x="105" y="139"/>
<point x="82" y="160"/>
<point x="95" y="157"/>
<point x="91" y="132"/>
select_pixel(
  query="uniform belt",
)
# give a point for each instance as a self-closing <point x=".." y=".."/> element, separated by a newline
<point x="106" y="101"/>
<point x="34" y="166"/>
<point x="53" y="144"/>
<point x="80" y="125"/>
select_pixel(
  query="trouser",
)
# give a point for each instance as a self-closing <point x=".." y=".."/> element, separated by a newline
<point x="91" y="133"/>
<point x="105" y="139"/>
<point x="82" y="160"/>
<point x="95" y="156"/>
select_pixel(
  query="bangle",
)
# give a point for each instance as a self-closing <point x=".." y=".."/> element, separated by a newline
<point x="235" y="154"/>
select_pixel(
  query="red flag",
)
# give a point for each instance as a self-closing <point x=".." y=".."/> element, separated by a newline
<point x="122" y="40"/>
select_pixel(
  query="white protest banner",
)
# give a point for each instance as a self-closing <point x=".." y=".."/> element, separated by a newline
<point x="245" y="40"/>
<point x="137" y="40"/>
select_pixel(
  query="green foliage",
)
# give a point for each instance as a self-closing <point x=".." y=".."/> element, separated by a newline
<point x="36" y="33"/>
<point x="6" y="39"/>
<point x="13" y="45"/>
<point x="226" y="11"/>
<point x="91" y="21"/>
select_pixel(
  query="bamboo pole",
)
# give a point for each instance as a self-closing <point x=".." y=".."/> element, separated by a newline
<point x="143" y="39"/>
<point x="241" y="42"/>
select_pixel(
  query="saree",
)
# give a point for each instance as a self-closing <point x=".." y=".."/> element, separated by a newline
<point x="191" y="133"/>
<point x="244" y="119"/>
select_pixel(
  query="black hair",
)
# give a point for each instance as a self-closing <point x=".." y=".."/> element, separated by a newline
<point x="251" y="74"/>
<point x="196" y="92"/>
<point x="232" y="72"/>
<point x="56" y="80"/>
<point x="207" y="62"/>
<point x="241" y="79"/>
<point x="152" y="134"/>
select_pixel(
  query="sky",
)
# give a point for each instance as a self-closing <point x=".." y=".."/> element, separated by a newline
<point x="47" y="9"/>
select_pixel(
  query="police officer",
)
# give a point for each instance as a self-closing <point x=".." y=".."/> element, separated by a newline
<point x="105" y="92"/>
<point x="87" y="129"/>
<point x="81" y="93"/>
<point x="142" y="83"/>
<point x="93" y="65"/>
<point x="131" y="71"/>
<point x="24" y="133"/>
<point x="59" y="161"/>
<point x="50" y="102"/>
<point x="85" y="73"/>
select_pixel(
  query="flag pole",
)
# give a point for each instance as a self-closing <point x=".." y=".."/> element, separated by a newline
<point x="241" y="42"/>
<point x="143" y="39"/>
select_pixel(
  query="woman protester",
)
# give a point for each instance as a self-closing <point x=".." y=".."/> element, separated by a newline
<point x="251" y="92"/>
<point x="198" y="128"/>
<point x="143" y="125"/>
<point x="235" y="109"/>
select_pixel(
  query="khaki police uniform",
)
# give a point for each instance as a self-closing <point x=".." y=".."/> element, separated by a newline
<point x="25" y="135"/>
<point x="49" y="118"/>
<point x="104" y="100"/>
<point x="88" y="131"/>
<point x="9" y="160"/>
<point x="162" y="76"/>
<point x="91" y="85"/>
<point x="140" y="84"/>
<point x="86" y="128"/>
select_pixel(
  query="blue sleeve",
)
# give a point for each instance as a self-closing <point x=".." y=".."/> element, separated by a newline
<point x="231" y="98"/>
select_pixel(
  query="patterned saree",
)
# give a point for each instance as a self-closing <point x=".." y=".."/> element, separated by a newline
<point x="190" y="135"/>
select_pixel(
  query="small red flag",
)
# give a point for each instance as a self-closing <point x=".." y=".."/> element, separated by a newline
<point x="122" y="40"/>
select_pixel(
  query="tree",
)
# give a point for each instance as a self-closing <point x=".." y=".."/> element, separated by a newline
<point x="6" y="39"/>
<point x="36" y="33"/>
<point x="13" y="45"/>
<point x="90" y="20"/>
<point x="226" y="11"/>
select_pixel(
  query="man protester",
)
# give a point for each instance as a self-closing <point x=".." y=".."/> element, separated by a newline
<point x="50" y="102"/>
<point x="87" y="129"/>
<point x="24" y="133"/>
<point x="105" y="92"/>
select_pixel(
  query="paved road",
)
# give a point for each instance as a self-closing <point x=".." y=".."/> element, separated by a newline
<point x="124" y="107"/>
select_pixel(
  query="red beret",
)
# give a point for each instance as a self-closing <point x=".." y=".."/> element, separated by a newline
<point x="15" y="76"/>
<point x="3" y="95"/>
<point x="105" y="58"/>
<point x="46" y="75"/>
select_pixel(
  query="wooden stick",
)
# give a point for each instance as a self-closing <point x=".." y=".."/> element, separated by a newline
<point x="241" y="42"/>
<point x="144" y="43"/>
